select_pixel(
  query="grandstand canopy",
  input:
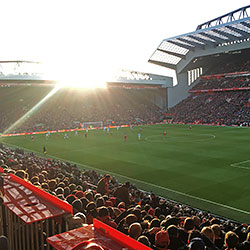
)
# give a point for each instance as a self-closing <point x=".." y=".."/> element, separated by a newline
<point x="136" y="79"/>
<point x="17" y="72"/>
<point x="231" y="28"/>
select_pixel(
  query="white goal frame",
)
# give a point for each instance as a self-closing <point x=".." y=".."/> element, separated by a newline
<point x="93" y="124"/>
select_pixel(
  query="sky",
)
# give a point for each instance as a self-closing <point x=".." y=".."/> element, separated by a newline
<point x="93" y="39"/>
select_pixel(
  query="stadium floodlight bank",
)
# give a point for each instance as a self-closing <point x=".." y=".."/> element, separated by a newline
<point x="92" y="124"/>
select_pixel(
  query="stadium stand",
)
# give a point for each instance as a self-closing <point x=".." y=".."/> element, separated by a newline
<point x="220" y="99"/>
<point x="152" y="220"/>
<point x="16" y="101"/>
<point x="68" y="108"/>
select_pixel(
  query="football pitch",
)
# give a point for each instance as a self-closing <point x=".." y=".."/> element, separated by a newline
<point x="204" y="167"/>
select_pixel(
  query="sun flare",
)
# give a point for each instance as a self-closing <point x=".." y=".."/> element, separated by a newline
<point x="90" y="78"/>
<point x="80" y="83"/>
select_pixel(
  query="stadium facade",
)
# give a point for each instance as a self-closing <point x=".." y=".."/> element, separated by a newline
<point x="193" y="54"/>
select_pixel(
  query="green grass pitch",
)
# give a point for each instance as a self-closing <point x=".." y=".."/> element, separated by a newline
<point x="205" y="167"/>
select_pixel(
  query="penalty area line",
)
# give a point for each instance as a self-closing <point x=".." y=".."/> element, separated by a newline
<point x="238" y="165"/>
<point x="143" y="182"/>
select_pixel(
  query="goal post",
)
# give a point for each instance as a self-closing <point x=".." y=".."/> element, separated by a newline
<point x="92" y="124"/>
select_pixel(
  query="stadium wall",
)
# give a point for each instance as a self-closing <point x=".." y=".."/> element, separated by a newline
<point x="179" y="91"/>
<point x="160" y="98"/>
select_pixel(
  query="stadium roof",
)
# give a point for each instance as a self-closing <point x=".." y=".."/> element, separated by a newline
<point x="125" y="78"/>
<point x="230" y="28"/>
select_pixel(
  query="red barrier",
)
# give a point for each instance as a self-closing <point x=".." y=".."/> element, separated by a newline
<point x="32" y="204"/>
<point x="218" y="90"/>
<point x="118" y="236"/>
<point x="99" y="233"/>
<point x="216" y="76"/>
<point x="30" y="214"/>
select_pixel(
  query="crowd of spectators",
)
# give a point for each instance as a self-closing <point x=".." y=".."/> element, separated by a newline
<point x="152" y="220"/>
<point x="18" y="100"/>
<point x="223" y="107"/>
<point x="68" y="108"/>
<point x="223" y="83"/>
<point x="220" y="108"/>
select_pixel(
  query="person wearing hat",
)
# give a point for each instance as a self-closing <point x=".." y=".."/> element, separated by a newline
<point x="161" y="240"/>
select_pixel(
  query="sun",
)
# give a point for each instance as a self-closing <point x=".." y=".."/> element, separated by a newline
<point x="74" y="76"/>
<point x="73" y="79"/>
<point x="81" y="83"/>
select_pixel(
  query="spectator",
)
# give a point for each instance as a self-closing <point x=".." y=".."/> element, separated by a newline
<point x="231" y="241"/>
<point x="218" y="236"/>
<point x="102" y="185"/>
<point x="187" y="227"/>
<point x="144" y="240"/>
<point x="135" y="230"/>
<point x="209" y="233"/>
<point x="161" y="240"/>
<point x="103" y="215"/>
<point x="196" y="244"/>
<point x="175" y="242"/>
<point x="122" y="193"/>
<point x="246" y="244"/>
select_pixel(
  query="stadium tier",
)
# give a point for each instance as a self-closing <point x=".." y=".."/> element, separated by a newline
<point x="126" y="167"/>
<point x="70" y="108"/>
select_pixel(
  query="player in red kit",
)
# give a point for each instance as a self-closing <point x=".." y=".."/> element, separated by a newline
<point x="125" y="137"/>
<point x="164" y="133"/>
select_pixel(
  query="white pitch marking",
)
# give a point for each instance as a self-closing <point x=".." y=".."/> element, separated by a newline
<point x="237" y="165"/>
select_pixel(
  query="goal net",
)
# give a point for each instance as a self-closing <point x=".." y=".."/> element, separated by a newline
<point x="92" y="124"/>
